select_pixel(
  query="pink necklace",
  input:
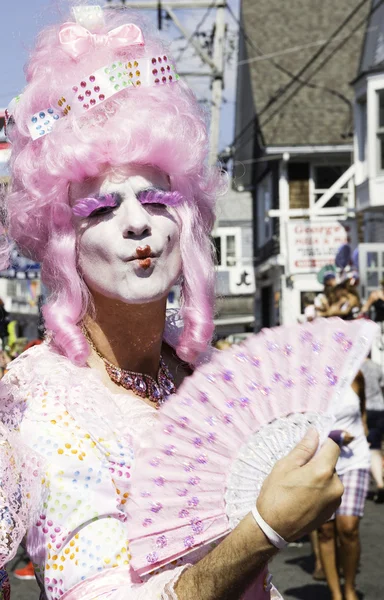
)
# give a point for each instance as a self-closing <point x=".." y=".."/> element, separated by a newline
<point x="145" y="386"/>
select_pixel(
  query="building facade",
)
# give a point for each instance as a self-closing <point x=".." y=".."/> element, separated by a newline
<point x="368" y="88"/>
<point x="235" y="282"/>
<point x="293" y="148"/>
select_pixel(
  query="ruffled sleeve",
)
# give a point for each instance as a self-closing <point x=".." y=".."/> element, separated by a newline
<point x="21" y="473"/>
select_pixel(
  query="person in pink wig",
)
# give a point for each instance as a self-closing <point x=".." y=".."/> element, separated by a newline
<point x="112" y="194"/>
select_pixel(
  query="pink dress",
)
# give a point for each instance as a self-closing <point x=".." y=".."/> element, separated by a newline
<point x="79" y="537"/>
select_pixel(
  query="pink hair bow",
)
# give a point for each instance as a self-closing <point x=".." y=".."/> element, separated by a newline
<point x="76" y="40"/>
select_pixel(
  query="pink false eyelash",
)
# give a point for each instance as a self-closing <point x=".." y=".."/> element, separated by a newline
<point x="86" y="206"/>
<point x="160" y="197"/>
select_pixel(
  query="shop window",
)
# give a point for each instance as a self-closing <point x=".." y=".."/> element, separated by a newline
<point x="298" y="177"/>
<point x="324" y="178"/>
<point x="227" y="243"/>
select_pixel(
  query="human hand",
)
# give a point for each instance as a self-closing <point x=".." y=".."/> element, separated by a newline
<point x="302" y="491"/>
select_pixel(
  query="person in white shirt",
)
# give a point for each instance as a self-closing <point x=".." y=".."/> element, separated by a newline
<point x="353" y="468"/>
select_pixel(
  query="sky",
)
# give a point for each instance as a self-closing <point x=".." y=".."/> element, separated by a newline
<point x="23" y="19"/>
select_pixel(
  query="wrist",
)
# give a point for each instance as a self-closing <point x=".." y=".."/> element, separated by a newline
<point x="256" y="538"/>
<point x="275" y="538"/>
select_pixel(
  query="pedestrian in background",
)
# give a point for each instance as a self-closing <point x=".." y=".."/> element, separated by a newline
<point x="353" y="470"/>
<point x="374" y="382"/>
<point x="324" y="299"/>
<point x="375" y="304"/>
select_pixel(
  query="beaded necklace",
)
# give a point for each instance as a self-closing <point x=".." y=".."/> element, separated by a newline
<point x="145" y="386"/>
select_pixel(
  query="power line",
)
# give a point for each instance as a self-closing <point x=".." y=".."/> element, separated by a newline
<point x="274" y="99"/>
<point x="279" y="67"/>
<point x="306" y="82"/>
<point x="294" y="78"/>
<point x="323" y="63"/>
<point x="197" y="29"/>
<point x="291" y="50"/>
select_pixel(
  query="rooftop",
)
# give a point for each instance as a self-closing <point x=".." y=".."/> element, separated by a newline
<point x="282" y="38"/>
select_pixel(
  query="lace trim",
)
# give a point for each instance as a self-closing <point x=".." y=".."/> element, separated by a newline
<point x="20" y="491"/>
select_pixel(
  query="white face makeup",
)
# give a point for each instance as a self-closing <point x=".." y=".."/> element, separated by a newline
<point x="128" y="240"/>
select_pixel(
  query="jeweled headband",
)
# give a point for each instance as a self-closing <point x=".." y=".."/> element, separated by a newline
<point x="103" y="83"/>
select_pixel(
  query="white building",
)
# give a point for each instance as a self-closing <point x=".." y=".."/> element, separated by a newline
<point x="235" y="281"/>
<point x="294" y="144"/>
<point x="369" y="150"/>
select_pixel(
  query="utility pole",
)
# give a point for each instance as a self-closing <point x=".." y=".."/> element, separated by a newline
<point x="215" y="64"/>
<point x="218" y="81"/>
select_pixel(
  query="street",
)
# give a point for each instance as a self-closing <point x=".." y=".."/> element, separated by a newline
<point x="292" y="568"/>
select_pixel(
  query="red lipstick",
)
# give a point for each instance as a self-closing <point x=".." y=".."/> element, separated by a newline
<point x="144" y="256"/>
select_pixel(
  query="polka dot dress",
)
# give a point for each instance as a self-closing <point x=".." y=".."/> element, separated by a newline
<point x="81" y="531"/>
<point x="79" y="539"/>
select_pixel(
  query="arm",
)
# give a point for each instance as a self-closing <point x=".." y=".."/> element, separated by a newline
<point x="367" y="305"/>
<point x="358" y="386"/>
<point x="95" y="539"/>
<point x="301" y="492"/>
<point x="227" y="571"/>
<point x="336" y="310"/>
<point x="87" y="511"/>
<point x="321" y="305"/>
<point x="344" y="306"/>
<point x="381" y="377"/>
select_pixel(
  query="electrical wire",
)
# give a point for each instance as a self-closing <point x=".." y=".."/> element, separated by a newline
<point x="294" y="78"/>
<point x="290" y="50"/>
<point x="318" y="68"/>
<point x="196" y="30"/>
<point x="323" y="63"/>
<point x="252" y="121"/>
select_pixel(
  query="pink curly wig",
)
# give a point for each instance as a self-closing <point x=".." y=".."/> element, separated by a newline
<point x="162" y="127"/>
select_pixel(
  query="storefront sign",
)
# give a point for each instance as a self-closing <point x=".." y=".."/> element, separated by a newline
<point x="313" y="244"/>
<point x="242" y="280"/>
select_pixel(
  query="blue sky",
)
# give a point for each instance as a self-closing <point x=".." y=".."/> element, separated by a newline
<point x="23" y="19"/>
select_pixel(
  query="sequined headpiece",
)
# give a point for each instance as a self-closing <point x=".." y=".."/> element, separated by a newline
<point x="103" y="83"/>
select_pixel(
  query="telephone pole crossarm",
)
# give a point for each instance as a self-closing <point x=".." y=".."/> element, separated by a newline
<point x="215" y="63"/>
<point x="203" y="55"/>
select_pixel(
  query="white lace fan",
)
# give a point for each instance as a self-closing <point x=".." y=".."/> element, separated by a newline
<point x="220" y="435"/>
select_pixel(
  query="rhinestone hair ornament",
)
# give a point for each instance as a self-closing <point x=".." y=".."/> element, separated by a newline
<point x="105" y="82"/>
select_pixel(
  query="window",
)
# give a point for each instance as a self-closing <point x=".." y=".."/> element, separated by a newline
<point x="324" y="177"/>
<point x="361" y="129"/>
<point x="227" y="242"/>
<point x="231" y="250"/>
<point x="217" y="244"/>
<point x="380" y="130"/>
<point x="298" y="177"/>
<point x="263" y="206"/>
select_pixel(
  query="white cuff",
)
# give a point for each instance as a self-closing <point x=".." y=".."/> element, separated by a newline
<point x="270" y="533"/>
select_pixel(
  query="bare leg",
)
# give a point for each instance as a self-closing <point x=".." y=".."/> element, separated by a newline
<point x="377" y="467"/>
<point x="318" y="573"/>
<point x="327" y="547"/>
<point x="348" y="530"/>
